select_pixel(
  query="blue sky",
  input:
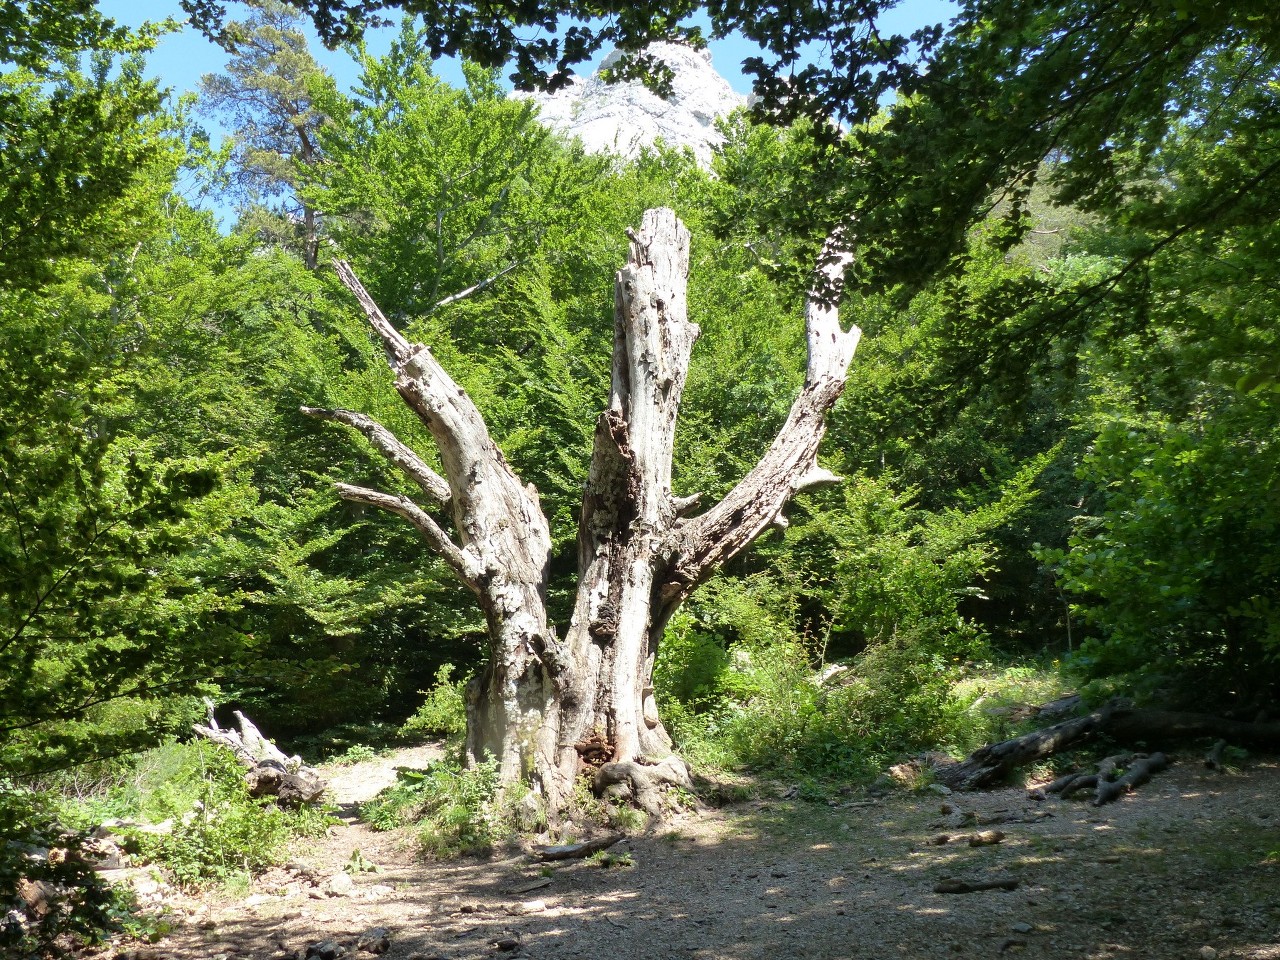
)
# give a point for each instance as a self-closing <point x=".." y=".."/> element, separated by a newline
<point x="181" y="59"/>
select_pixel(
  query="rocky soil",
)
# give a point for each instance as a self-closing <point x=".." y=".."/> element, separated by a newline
<point x="1186" y="867"/>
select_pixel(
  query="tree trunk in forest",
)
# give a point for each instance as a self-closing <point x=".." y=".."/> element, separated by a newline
<point x="549" y="708"/>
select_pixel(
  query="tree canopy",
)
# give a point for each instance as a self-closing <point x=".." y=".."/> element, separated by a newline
<point x="1057" y="440"/>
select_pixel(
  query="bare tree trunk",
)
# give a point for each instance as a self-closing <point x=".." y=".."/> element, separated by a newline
<point x="548" y="708"/>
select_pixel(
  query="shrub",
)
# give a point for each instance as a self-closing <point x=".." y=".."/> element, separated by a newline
<point x="33" y="850"/>
<point x="455" y="810"/>
<point x="225" y="834"/>
<point x="738" y="675"/>
<point x="444" y="712"/>
<point x="219" y="833"/>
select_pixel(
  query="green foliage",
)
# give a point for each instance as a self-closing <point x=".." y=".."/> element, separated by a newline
<point x="33" y="848"/>
<point x="454" y="811"/>
<point x="444" y="712"/>
<point x="219" y="833"/>
<point x="100" y="527"/>
<point x="82" y="129"/>
<point x="1174" y="572"/>
<point x="265" y="95"/>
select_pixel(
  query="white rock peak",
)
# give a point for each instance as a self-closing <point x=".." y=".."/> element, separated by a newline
<point x="624" y="118"/>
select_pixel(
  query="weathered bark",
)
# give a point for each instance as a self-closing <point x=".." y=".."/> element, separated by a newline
<point x="551" y="708"/>
<point x="500" y="546"/>
<point x="1118" y="719"/>
<point x="990" y="764"/>
<point x="1138" y="773"/>
<point x="270" y="773"/>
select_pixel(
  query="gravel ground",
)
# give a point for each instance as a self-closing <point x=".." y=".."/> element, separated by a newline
<point x="1184" y="868"/>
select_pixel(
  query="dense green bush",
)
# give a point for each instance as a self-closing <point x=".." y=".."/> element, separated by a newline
<point x="215" y="833"/>
<point x="847" y="651"/>
<point x="444" y="712"/>
<point x="1175" y="572"/>
<point x="454" y="810"/>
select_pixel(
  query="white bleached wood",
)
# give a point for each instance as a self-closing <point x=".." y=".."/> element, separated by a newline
<point x="701" y="544"/>
<point x="390" y="446"/>
<point x="502" y="551"/>
<point x="546" y="707"/>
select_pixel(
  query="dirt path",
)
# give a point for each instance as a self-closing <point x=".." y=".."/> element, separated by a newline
<point x="1180" y="869"/>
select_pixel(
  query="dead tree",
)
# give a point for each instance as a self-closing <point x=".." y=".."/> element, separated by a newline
<point x="270" y="773"/>
<point x="548" y="703"/>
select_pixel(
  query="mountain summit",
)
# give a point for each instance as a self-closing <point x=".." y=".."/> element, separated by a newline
<point x="623" y="118"/>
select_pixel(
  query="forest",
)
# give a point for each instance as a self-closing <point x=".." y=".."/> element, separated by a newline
<point x="1051" y="468"/>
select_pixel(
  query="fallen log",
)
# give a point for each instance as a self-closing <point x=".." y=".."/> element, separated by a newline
<point x="575" y="851"/>
<point x="1138" y="774"/>
<point x="989" y="765"/>
<point x="1064" y="781"/>
<point x="1079" y="782"/>
<point x="270" y="773"/>
<point x="1171" y="726"/>
<point x="1118" y="720"/>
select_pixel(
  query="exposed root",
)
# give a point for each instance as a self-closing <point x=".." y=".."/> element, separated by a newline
<point x="1139" y="773"/>
<point x="641" y="783"/>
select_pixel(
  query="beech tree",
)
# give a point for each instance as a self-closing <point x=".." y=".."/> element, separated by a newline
<point x="550" y="702"/>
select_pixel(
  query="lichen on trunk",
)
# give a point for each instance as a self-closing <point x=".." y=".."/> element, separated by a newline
<point x="549" y="709"/>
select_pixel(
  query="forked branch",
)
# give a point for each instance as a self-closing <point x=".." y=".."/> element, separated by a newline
<point x="390" y="446"/>
<point x="501" y="543"/>
<point x="464" y="562"/>
<point x="703" y="543"/>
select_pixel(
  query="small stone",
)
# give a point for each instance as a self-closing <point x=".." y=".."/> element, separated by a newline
<point x="375" y="940"/>
<point x="1208" y="953"/>
<point x="325" y="950"/>
<point x="1021" y="927"/>
<point x="507" y="944"/>
<point x="529" y="906"/>
<point x="257" y="899"/>
<point x="941" y="789"/>
<point x="986" y="838"/>
<point x="339" y="885"/>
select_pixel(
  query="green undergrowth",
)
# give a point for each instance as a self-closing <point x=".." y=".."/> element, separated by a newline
<point x="452" y="810"/>
<point x="443" y="712"/>
<point x="775" y="709"/>
<point x="459" y="811"/>
<point x="186" y="809"/>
